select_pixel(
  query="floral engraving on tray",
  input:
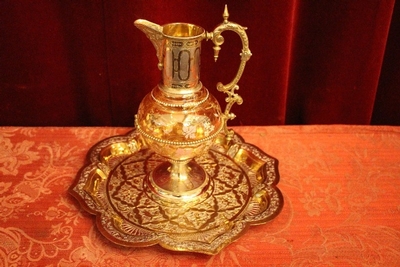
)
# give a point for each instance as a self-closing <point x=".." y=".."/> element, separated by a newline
<point x="127" y="193"/>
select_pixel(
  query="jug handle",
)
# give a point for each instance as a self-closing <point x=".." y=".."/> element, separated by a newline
<point x="230" y="88"/>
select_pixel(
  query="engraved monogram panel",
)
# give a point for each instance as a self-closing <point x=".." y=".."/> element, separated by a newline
<point x="182" y="63"/>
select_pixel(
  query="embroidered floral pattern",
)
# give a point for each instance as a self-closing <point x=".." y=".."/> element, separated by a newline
<point x="340" y="184"/>
<point x="13" y="156"/>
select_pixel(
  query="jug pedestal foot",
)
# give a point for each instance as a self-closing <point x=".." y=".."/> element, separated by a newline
<point x="178" y="181"/>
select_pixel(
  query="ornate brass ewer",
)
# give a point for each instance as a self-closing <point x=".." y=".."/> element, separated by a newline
<point x="180" y="119"/>
<point x="181" y="178"/>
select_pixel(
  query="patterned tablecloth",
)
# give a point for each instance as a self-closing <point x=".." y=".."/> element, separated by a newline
<point x="341" y="186"/>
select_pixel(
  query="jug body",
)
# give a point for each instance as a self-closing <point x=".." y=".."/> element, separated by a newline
<point x="179" y="128"/>
<point x="179" y="119"/>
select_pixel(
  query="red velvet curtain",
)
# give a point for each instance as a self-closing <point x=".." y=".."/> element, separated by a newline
<point x="314" y="62"/>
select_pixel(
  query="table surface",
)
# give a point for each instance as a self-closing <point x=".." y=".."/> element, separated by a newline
<point x="341" y="186"/>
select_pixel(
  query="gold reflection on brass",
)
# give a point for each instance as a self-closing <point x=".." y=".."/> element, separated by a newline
<point x="179" y="119"/>
<point x="181" y="178"/>
<point x="118" y="188"/>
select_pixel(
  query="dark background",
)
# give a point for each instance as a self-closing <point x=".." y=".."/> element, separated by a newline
<point x="75" y="63"/>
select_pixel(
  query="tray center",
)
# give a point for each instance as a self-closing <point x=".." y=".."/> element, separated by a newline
<point x="225" y="199"/>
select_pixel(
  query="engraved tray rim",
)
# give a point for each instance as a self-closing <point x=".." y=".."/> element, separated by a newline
<point x="267" y="172"/>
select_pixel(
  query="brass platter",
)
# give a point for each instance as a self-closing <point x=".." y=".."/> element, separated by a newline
<point x="114" y="186"/>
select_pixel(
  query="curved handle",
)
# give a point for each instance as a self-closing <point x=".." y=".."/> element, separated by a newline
<point x="230" y="88"/>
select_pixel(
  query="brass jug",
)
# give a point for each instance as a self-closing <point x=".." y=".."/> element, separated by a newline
<point x="179" y="119"/>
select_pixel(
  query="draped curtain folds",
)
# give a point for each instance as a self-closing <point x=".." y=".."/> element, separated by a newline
<point x="314" y="62"/>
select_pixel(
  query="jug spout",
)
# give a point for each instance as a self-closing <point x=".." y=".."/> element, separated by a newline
<point x="154" y="32"/>
<point x="178" y="48"/>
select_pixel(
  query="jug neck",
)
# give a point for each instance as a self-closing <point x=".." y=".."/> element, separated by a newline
<point x="181" y="58"/>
